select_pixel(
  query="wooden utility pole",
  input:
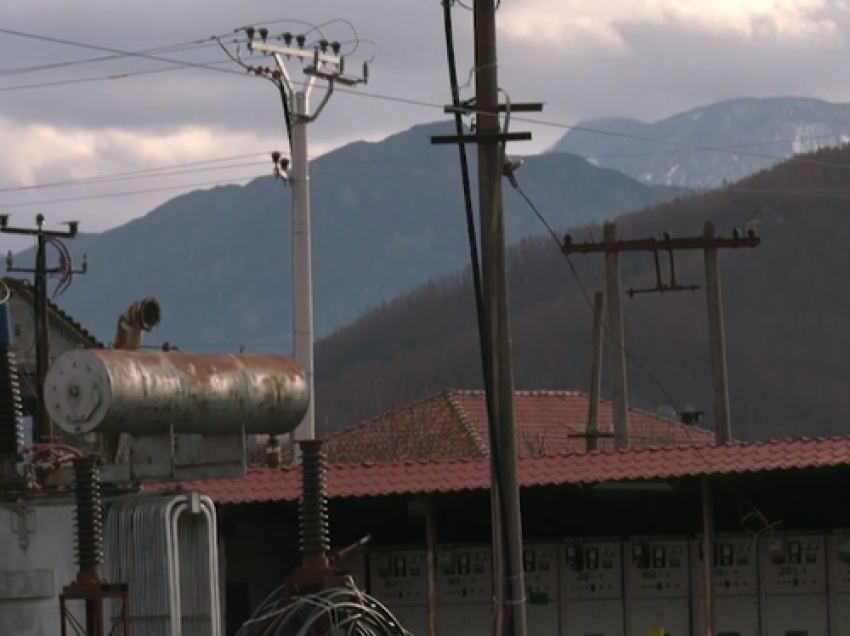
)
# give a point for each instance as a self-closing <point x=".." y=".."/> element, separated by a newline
<point x="43" y="427"/>
<point x="491" y="140"/>
<point x="619" y="377"/>
<point x="595" y="372"/>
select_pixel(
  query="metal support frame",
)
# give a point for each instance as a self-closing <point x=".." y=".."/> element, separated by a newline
<point x="331" y="69"/>
<point x="43" y="427"/>
<point x="94" y="593"/>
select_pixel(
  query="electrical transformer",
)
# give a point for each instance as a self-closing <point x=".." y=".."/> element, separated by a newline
<point x="838" y="560"/>
<point x="792" y="571"/>
<point x="465" y="590"/>
<point x="540" y="566"/>
<point x="591" y="573"/>
<point x="657" y="585"/>
<point x="399" y="580"/>
<point x="735" y="586"/>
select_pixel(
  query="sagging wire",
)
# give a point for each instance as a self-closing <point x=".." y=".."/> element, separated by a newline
<point x="66" y="266"/>
<point x="767" y="526"/>
<point x="337" y="610"/>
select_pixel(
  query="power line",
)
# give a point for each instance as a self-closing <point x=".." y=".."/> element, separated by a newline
<point x="424" y="104"/>
<point x="146" y="173"/>
<point x="837" y="193"/>
<point x="185" y="186"/>
<point x="174" y="48"/>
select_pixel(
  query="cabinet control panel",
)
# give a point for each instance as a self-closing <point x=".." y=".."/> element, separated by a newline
<point x="734" y="566"/>
<point x="793" y="564"/>
<point x="657" y="568"/>
<point x="591" y="570"/>
<point x="540" y="567"/>
<point x="464" y="575"/>
<point x="399" y="578"/>
<point x="838" y="549"/>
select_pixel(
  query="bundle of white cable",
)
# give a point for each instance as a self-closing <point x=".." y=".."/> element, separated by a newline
<point x="343" y="610"/>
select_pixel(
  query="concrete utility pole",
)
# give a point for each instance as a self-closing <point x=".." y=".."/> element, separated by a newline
<point x="329" y="67"/>
<point x="509" y="592"/>
<point x="717" y="340"/>
<point x="42" y="426"/>
<point x="619" y="377"/>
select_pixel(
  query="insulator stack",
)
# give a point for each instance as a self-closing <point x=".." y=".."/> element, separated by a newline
<point x="89" y="515"/>
<point x="314" y="528"/>
<point x="11" y="412"/>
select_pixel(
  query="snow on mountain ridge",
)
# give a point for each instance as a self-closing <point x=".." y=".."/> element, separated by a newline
<point x="764" y="131"/>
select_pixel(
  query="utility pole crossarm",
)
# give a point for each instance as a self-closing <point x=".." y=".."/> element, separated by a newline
<point x="477" y="136"/>
<point x="43" y="427"/>
<point x="662" y="245"/>
<point x="319" y="62"/>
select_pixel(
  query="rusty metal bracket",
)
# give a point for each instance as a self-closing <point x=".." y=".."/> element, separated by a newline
<point x="94" y="593"/>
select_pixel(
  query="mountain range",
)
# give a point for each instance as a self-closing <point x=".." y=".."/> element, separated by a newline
<point x="386" y="217"/>
<point x="785" y="307"/>
<point x="763" y="131"/>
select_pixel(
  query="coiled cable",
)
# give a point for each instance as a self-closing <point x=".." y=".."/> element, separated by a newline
<point x="341" y="610"/>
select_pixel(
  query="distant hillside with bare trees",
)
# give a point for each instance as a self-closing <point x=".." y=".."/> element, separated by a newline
<point x="787" y="309"/>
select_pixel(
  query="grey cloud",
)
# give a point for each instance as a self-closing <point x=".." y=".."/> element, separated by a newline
<point x="668" y="68"/>
<point x="408" y="35"/>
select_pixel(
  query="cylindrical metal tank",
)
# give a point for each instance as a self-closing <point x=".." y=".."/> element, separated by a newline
<point x="145" y="392"/>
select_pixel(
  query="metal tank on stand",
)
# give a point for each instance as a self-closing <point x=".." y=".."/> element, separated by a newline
<point x="54" y="544"/>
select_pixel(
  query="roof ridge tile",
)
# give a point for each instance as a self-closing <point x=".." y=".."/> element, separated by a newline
<point x="467" y="426"/>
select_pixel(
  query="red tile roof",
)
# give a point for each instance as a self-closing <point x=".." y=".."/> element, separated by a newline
<point x="453" y="425"/>
<point x="442" y="476"/>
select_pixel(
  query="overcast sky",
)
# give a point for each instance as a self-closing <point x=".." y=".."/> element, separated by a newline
<point x="646" y="59"/>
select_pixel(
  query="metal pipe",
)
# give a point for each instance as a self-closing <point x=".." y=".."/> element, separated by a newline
<point x="154" y="392"/>
<point x="143" y="315"/>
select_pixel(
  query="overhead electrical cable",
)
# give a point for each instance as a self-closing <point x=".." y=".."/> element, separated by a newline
<point x="111" y="195"/>
<point x="425" y="104"/>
